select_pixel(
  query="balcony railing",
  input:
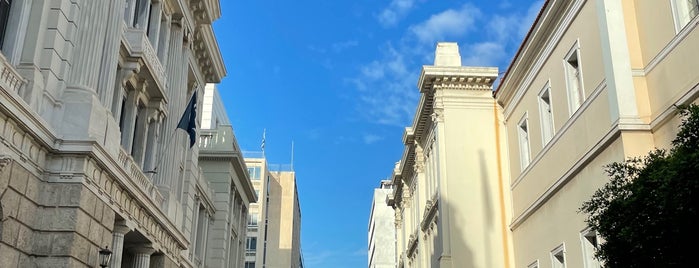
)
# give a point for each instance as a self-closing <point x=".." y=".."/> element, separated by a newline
<point x="10" y="79"/>
<point x="220" y="139"/>
<point x="138" y="178"/>
<point x="140" y="46"/>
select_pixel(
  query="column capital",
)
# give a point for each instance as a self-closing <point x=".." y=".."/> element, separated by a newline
<point x="142" y="249"/>
<point x="5" y="160"/>
<point x="120" y="227"/>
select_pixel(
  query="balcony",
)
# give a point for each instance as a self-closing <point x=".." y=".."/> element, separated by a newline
<point x="10" y="79"/>
<point x="138" y="178"/>
<point x="219" y="140"/>
<point x="139" y="46"/>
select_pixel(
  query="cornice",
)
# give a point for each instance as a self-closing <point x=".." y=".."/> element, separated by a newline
<point x="208" y="54"/>
<point x="554" y="19"/>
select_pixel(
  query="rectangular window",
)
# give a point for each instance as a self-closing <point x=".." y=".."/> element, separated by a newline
<point x="546" y="114"/>
<point x="253" y="219"/>
<point x="4" y="17"/>
<point x="684" y="11"/>
<point x="558" y="259"/>
<point x="573" y="72"/>
<point x="202" y="227"/>
<point x="523" y="133"/>
<point x="590" y="245"/>
<point x="254" y="173"/>
<point x="251" y="244"/>
<point x="249" y="264"/>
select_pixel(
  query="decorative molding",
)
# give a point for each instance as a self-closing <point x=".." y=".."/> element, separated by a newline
<point x="4" y="161"/>
<point x="541" y="58"/>
<point x="430" y="213"/>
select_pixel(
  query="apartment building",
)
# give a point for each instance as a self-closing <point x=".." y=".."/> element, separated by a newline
<point x="92" y="96"/>
<point x="382" y="230"/>
<point x="274" y="224"/>
<point x="594" y="82"/>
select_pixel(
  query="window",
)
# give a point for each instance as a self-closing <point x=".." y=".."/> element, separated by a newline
<point x="684" y="11"/>
<point x="4" y="17"/>
<point x="546" y="114"/>
<point x="558" y="259"/>
<point x="254" y="173"/>
<point x="251" y="244"/>
<point x="534" y="264"/>
<point x="523" y="133"/>
<point x="249" y="264"/>
<point x="590" y="245"/>
<point x="573" y="73"/>
<point x="253" y="219"/>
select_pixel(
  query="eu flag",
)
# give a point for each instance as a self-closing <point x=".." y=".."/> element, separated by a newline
<point x="188" y="122"/>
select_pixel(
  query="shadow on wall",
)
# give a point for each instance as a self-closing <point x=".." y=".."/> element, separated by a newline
<point x="462" y="251"/>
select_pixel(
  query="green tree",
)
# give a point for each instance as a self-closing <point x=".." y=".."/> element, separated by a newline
<point x="646" y="214"/>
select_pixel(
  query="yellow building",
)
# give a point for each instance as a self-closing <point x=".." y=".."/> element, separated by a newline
<point x="594" y="82"/>
<point x="501" y="176"/>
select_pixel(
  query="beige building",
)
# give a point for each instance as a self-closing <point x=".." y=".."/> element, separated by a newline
<point x="594" y="82"/>
<point x="274" y="224"/>
<point x="500" y="181"/>
<point x="91" y="95"/>
<point x="448" y="189"/>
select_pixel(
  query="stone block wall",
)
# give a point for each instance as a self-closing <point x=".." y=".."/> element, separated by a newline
<point x="64" y="226"/>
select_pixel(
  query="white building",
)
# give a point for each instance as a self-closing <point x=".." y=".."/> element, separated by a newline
<point x="91" y="94"/>
<point x="382" y="231"/>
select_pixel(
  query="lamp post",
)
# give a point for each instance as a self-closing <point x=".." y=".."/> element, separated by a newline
<point x="105" y="256"/>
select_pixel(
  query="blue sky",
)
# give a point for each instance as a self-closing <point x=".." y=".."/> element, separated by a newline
<point x="338" y="77"/>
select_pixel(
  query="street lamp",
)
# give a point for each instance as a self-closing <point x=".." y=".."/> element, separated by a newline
<point x="105" y="256"/>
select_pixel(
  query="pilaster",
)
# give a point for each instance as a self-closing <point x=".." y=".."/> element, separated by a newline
<point x="110" y="53"/>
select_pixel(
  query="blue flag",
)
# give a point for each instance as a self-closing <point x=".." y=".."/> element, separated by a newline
<point x="188" y="122"/>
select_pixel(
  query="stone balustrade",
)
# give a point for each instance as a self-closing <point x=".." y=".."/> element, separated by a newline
<point x="139" y="46"/>
<point x="10" y="79"/>
<point x="138" y="178"/>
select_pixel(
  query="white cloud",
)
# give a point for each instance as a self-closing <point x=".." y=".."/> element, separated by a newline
<point x="484" y="54"/>
<point x="341" y="46"/>
<point x="394" y="12"/>
<point x="449" y="23"/>
<point x="371" y="138"/>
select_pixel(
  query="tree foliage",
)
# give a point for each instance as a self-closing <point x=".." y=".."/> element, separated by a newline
<point x="646" y="214"/>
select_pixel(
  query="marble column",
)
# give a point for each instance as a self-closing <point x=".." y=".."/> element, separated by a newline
<point x="88" y="45"/>
<point x="110" y="53"/>
<point x="167" y="168"/>
<point x="130" y="111"/>
<point x="164" y="41"/>
<point x="152" y="157"/>
<point x="120" y="229"/>
<point x="141" y="256"/>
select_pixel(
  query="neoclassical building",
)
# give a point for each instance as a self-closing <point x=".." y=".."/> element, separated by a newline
<point x="91" y="94"/>
<point x="448" y="190"/>
<point x="496" y="179"/>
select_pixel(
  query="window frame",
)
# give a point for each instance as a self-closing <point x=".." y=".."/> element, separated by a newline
<point x="552" y="127"/>
<point x="584" y="234"/>
<point x="675" y="8"/>
<point x="524" y="121"/>
<point x="534" y="264"/>
<point x="574" y="50"/>
<point x="560" y="249"/>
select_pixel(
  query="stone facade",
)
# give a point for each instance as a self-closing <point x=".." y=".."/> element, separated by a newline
<point x="91" y="93"/>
